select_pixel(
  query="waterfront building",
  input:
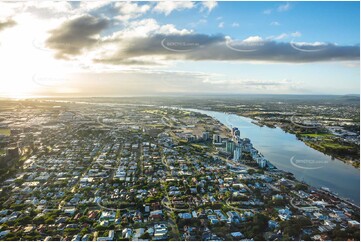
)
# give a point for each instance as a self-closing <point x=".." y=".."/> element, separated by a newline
<point x="230" y="146"/>
<point x="237" y="154"/>
<point x="217" y="139"/>
<point x="205" y="135"/>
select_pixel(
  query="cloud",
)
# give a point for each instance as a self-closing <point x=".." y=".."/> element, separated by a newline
<point x="281" y="36"/>
<point x="167" y="7"/>
<point x="235" y="24"/>
<point x="130" y="10"/>
<point x="162" y="46"/>
<point x="146" y="27"/>
<point x="88" y="6"/>
<point x="285" y="35"/>
<point x="275" y="23"/>
<point x="296" y="34"/>
<point x="201" y="47"/>
<point x="252" y="39"/>
<point x="267" y="11"/>
<point x="199" y="22"/>
<point x="75" y="35"/>
<point x="221" y="25"/>
<point x="208" y="5"/>
<point x="281" y="8"/>
<point x="284" y="7"/>
<point x="8" y="23"/>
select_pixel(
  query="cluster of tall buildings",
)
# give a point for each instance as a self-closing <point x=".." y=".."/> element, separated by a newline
<point x="236" y="146"/>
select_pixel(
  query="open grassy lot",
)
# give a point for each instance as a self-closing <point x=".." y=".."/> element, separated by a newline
<point x="335" y="145"/>
<point x="4" y="131"/>
<point x="318" y="135"/>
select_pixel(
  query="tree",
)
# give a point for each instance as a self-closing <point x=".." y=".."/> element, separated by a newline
<point x="301" y="186"/>
<point x="23" y="220"/>
<point x="145" y="236"/>
<point x="251" y="171"/>
<point x="39" y="220"/>
<point x="293" y="227"/>
<point x="261" y="221"/>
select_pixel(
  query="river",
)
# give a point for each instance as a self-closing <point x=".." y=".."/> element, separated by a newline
<point x="288" y="153"/>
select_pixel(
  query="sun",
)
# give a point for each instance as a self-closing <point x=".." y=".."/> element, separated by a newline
<point x="26" y="69"/>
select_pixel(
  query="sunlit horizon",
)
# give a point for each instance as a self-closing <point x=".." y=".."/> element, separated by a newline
<point x="103" y="48"/>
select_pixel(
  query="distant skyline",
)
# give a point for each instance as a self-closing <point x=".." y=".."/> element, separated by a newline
<point x="107" y="48"/>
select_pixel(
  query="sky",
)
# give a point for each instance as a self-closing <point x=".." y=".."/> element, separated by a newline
<point x="107" y="48"/>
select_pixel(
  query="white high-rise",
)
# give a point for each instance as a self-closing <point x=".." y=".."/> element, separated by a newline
<point x="237" y="154"/>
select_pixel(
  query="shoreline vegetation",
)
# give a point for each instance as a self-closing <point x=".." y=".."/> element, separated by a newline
<point x="330" y="148"/>
<point x="347" y="161"/>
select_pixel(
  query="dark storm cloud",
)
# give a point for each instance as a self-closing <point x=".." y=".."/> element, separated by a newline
<point x="7" y="24"/>
<point x="199" y="47"/>
<point x="75" y="35"/>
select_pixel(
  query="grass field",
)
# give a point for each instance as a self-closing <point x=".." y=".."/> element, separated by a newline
<point x="317" y="135"/>
<point x="5" y="132"/>
<point x="335" y="145"/>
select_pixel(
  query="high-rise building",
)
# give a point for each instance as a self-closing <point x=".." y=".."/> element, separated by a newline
<point x="237" y="154"/>
<point x="230" y="146"/>
<point x="217" y="139"/>
<point x="261" y="161"/>
<point x="205" y="135"/>
<point x="234" y="130"/>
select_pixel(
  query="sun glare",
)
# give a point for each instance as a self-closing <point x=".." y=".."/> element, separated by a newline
<point x="32" y="70"/>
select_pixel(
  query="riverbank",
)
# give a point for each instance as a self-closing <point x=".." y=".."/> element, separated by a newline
<point x="284" y="150"/>
<point x="325" y="150"/>
<point x="347" y="161"/>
